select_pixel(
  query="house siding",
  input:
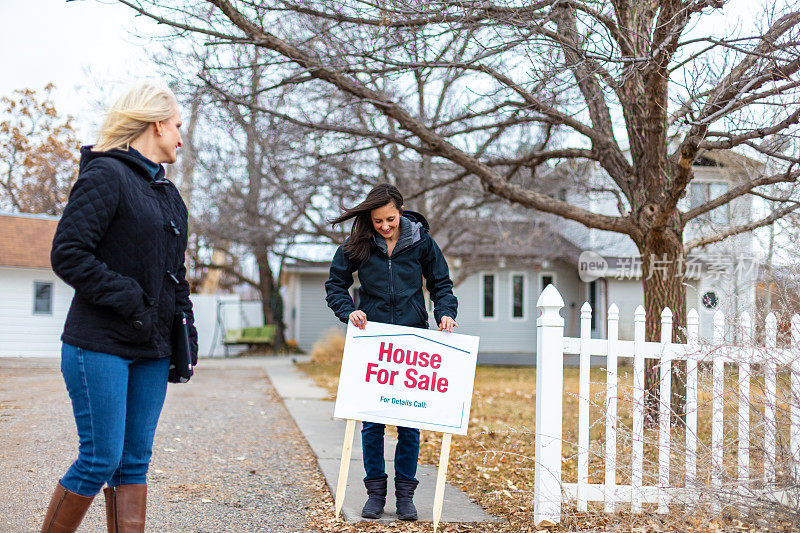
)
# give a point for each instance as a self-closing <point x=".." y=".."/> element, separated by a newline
<point x="289" y="291"/>
<point x="23" y="333"/>
<point x="734" y="299"/>
<point x="314" y="317"/>
<point x="518" y="335"/>
<point x="505" y="334"/>
<point x="628" y="295"/>
<point x="574" y="293"/>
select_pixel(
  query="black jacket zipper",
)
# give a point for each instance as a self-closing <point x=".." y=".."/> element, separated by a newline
<point x="391" y="289"/>
<point x="391" y="278"/>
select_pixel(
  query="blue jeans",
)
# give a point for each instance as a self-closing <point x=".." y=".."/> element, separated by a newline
<point x="405" y="454"/>
<point x="116" y="402"/>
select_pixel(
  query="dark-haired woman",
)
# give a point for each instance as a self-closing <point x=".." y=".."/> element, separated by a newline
<point x="392" y="250"/>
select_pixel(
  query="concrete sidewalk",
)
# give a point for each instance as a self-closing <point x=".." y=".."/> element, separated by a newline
<point x="314" y="416"/>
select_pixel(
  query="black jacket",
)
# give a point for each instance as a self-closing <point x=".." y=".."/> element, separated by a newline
<point x="391" y="287"/>
<point x="120" y="244"/>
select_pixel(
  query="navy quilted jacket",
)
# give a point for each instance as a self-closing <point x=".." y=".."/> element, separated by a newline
<point x="391" y="287"/>
<point x="120" y="244"/>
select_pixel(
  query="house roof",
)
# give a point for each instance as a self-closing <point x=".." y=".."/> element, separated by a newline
<point x="486" y="239"/>
<point x="729" y="159"/>
<point x="305" y="266"/>
<point x="25" y="240"/>
<point x="511" y="239"/>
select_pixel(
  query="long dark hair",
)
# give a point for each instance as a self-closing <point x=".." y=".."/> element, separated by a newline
<point x="358" y="245"/>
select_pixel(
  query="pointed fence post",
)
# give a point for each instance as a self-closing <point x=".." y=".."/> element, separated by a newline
<point x="610" y="473"/>
<point x="583" y="407"/>
<point x="665" y="410"/>
<point x="549" y="393"/>
<point x="637" y="451"/>
<point x="743" y="449"/>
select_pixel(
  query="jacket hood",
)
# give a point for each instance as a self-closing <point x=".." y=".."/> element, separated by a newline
<point x="129" y="158"/>
<point x="413" y="216"/>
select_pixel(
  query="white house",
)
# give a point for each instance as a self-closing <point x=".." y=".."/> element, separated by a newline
<point x="33" y="301"/>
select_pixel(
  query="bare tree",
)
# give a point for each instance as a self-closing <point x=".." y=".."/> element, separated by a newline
<point x="354" y="152"/>
<point x="252" y="184"/>
<point x="625" y="82"/>
<point x="640" y="89"/>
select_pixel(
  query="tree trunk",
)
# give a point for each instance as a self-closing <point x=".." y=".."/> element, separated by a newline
<point x="189" y="152"/>
<point x="663" y="271"/>
<point x="209" y="284"/>
<point x="271" y="301"/>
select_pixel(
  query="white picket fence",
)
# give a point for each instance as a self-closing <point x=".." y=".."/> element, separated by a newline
<point x="549" y="489"/>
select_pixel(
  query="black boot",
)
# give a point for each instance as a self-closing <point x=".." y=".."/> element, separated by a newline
<point x="376" y="490"/>
<point x="404" y="490"/>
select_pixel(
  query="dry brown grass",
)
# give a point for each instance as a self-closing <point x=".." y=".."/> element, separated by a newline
<point x="326" y="361"/>
<point x="329" y="349"/>
<point x="494" y="462"/>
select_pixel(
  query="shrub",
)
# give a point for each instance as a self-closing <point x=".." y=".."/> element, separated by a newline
<point x="329" y="348"/>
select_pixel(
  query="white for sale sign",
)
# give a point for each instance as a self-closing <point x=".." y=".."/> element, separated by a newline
<point x="408" y="377"/>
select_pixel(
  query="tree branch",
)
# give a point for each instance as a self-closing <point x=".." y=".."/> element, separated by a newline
<point x="228" y="268"/>
<point x="185" y="27"/>
<point x="315" y="125"/>
<point x="483" y="13"/>
<point x="489" y="179"/>
<point x="760" y="133"/>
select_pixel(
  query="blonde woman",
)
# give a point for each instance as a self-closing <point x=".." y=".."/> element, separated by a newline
<point x="120" y="244"/>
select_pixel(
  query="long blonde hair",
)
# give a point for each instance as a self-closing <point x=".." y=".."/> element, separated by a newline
<point x="145" y="103"/>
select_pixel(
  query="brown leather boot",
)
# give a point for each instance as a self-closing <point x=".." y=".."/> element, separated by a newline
<point x="126" y="507"/>
<point x="65" y="512"/>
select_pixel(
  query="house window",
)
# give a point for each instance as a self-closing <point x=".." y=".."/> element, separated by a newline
<point x="488" y="286"/>
<point x="517" y="296"/>
<point x="42" y="298"/>
<point x="547" y="279"/>
<point x="702" y="193"/>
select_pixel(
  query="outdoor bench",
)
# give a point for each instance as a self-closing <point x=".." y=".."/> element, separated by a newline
<point x="254" y="336"/>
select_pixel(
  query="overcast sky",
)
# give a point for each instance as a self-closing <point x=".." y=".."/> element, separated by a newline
<point x="87" y="48"/>
<point x="84" y="47"/>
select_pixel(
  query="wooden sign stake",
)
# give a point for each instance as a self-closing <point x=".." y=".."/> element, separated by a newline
<point x="344" y="466"/>
<point x="438" y="497"/>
